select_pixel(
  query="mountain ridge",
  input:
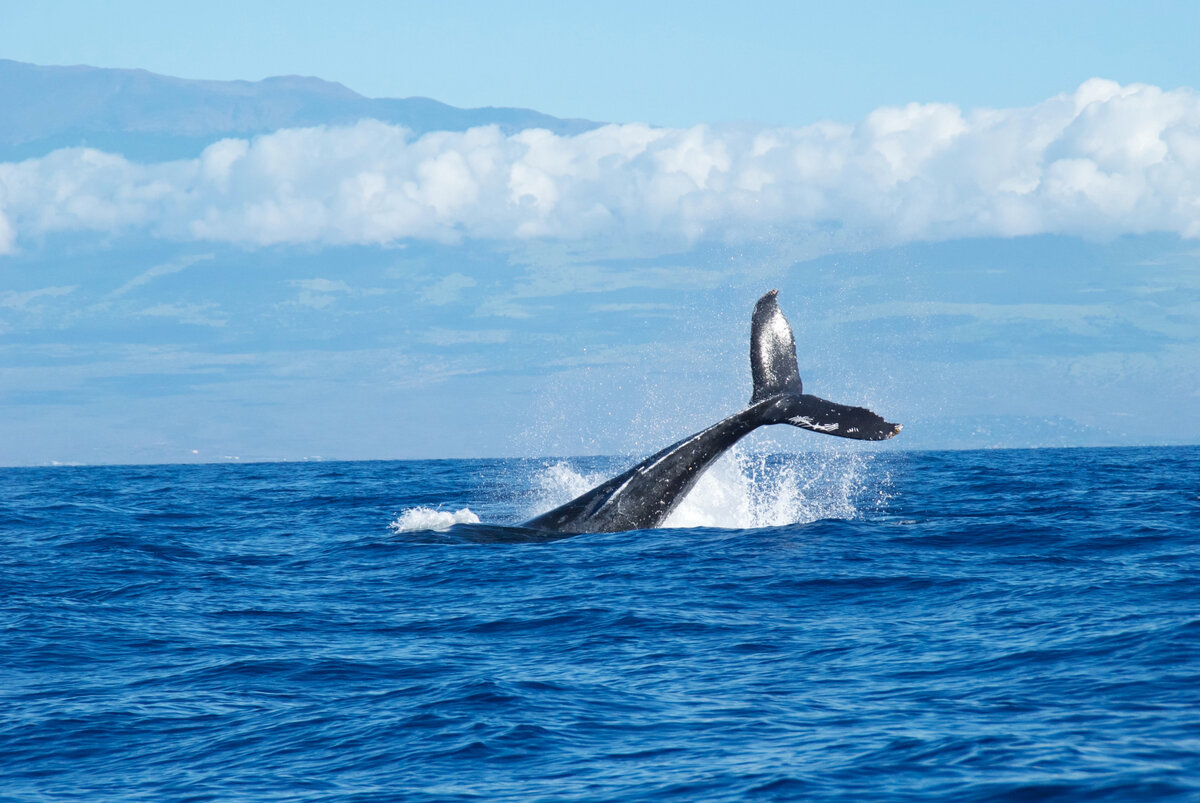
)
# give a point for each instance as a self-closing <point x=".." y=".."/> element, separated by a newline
<point x="147" y="116"/>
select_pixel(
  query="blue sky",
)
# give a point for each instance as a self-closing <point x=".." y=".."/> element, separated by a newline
<point x="667" y="63"/>
<point x="982" y="219"/>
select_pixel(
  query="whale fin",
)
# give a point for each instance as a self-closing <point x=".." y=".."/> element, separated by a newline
<point x="772" y="352"/>
<point x="819" y="415"/>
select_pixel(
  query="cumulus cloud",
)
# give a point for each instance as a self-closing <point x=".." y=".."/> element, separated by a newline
<point x="1102" y="160"/>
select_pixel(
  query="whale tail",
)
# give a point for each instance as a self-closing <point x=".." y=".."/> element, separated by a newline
<point x="772" y="351"/>
<point x="779" y="391"/>
<point x="645" y="495"/>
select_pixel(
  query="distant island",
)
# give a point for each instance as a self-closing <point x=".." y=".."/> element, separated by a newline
<point x="145" y="116"/>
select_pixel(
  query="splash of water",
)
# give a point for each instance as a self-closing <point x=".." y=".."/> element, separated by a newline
<point x="559" y="483"/>
<point x="424" y="519"/>
<point x="745" y="489"/>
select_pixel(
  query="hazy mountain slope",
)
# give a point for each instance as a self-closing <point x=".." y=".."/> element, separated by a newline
<point x="147" y="116"/>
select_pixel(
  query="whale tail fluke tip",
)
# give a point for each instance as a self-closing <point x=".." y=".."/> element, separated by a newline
<point x="773" y="364"/>
<point x="829" y="418"/>
<point x="776" y="377"/>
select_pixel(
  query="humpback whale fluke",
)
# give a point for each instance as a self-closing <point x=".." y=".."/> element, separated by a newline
<point x="772" y="351"/>
<point x="645" y="495"/>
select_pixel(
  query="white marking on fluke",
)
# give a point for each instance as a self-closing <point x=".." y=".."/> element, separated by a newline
<point x="805" y="421"/>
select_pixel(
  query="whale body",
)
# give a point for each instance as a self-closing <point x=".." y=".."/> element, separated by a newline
<point x="645" y="495"/>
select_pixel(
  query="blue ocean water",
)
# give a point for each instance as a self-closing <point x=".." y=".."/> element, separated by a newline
<point x="985" y="625"/>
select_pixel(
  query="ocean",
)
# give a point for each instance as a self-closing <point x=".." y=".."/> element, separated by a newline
<point x="887" y="625"/>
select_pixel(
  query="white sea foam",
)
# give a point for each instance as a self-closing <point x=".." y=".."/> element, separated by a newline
<point x="744" y="490"/>
<point x="426" y="518"/>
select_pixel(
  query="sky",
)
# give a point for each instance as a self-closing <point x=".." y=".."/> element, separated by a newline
<point x="665" y="63"/>
<point x="983" y="219"/>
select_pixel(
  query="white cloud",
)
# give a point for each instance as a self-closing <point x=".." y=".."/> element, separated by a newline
<point x="7" y="235"/>
<point x="321" y="285"/>
<point x="456" y="337"/>
<point x="1100" y="161"/>
<point x="165" y="269"/>
<point x="12" y="299"/>
<point x="318" y="293"/>
<point x="207" y="314"/>
<point x="545" y="281"/>
<point x="447" y="290"/>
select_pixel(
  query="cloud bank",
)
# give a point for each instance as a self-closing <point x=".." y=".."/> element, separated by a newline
<point x="1103" y="160"/>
